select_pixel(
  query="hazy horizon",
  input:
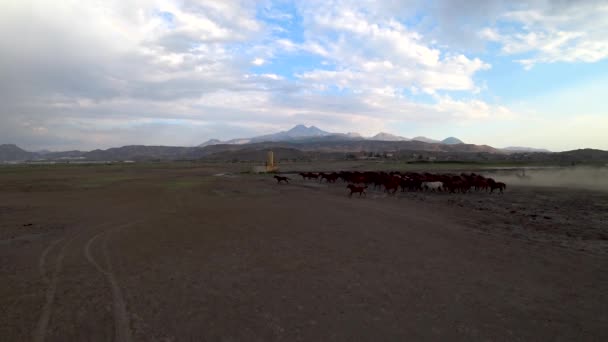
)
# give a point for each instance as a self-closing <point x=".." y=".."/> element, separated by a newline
<point x="98" y="74"/>
<point x="231" y="141"/>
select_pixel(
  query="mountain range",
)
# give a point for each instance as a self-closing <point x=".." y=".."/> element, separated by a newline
<point x="299" y="142"/>
<point x="300" y="132"/>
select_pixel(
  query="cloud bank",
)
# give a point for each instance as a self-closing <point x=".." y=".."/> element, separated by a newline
<point x="97" y="74"/>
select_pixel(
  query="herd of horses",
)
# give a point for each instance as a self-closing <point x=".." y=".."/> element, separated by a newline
<point x="358" y="182"/>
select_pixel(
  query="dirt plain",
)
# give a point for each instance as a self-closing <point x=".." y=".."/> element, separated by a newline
<point x="193" y="252"/>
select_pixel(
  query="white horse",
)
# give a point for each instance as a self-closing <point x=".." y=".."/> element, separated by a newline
<point x="432" y="186"/>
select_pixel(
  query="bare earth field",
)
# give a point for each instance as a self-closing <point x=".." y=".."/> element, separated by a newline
<point x="192" y="252"/>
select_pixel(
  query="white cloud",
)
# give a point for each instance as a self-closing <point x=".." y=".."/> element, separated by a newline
<point x="473" y="110"/>
<point x="373" y="50"/>
<point x="106" y="73"/>
<point x="553" y="32"/>
<point x="258" y="61"/>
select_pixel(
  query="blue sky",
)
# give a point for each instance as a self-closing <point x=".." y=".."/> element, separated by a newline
<point x="502" y="73"/>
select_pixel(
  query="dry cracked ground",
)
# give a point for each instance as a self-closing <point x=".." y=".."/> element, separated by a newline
<point x="192" y="252"/>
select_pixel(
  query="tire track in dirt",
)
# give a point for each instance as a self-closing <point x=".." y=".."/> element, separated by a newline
<point x="121" y="319"/>
<point x="43" y="322"/>
<point x="42" y="260"/>
<point x="89" y="255"/>
<point x="40" y="330"/>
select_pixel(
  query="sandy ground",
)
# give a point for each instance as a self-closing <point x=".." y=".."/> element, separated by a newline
<point x="176" y="253"/>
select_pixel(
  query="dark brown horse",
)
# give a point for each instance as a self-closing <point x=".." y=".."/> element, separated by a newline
<point x="360" y="189"/>
<point x="308" y="175"/>
<point x="497" y="185"/>
<point x="329" y="178"/>
<point x="391" y="186"/>
<point x="282" y="179"/>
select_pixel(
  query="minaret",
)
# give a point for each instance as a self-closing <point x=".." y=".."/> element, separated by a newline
<point x="270" y="161"/>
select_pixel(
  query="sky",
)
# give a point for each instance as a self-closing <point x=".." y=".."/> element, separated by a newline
<point x="78" y="74"/>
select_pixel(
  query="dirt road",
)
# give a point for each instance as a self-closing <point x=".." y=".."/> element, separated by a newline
<point x="180" y="254"/>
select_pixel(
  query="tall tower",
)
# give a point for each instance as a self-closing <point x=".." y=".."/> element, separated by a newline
<point x="270" y="162"/>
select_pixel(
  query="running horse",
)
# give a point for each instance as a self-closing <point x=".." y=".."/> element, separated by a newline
<point x="282" y="179"/>
<point x="353" y="189"/>
<point x="497" y="185"/>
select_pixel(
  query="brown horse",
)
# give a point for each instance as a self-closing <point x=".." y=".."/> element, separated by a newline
<point x="360" y="189"/>
<point x="481" y="184"/>
<point x="329" y="178"/>
<point x="391" y="186"/>
<point x="497" y="185"/>
<point x="308" y="175"/>
<point x="282" y="179"/>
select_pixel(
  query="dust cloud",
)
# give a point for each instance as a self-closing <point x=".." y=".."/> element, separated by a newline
<point x="589" y="178"/>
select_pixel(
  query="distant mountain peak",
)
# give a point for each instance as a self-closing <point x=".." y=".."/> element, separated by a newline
<point x="298" y="128"/>
<point x="426" y="140"/>
<point x="383" y="136"/>
<point x="303" y="131"/>
<point x="451" y="141"/>
<point x="353" y="135"/>
<point x="11" y="152"/>
<point x="210" y="142"/>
